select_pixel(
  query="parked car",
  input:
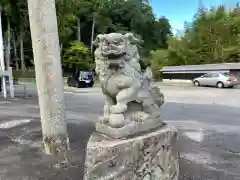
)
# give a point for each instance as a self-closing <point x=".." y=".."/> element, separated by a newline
<point x="81" y="79"/>
<point x="217" y="79"/>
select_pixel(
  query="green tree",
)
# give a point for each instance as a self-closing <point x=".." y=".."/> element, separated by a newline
<point x="159" y="58"/>
<point x="212" y="37"/>
<point x="77" y="57"/>
<point x="82" y="20"/>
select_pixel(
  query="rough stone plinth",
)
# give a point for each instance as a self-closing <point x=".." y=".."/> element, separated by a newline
<point x="151" y="156"/>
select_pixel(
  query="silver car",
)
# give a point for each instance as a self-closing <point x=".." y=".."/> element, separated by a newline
<point x="216" y="79"/>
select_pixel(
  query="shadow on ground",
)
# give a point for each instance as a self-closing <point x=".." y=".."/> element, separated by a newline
<point x="200" y="167"/>
<point x="23" y="157"/>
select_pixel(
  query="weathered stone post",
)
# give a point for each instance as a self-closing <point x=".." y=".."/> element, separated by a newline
<point x="46" y="51"/>
<point x="2" y="63"/>
<point x="131" y="142"/>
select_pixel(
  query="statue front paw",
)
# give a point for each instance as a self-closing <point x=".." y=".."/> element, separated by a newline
<point x="104" y="120"/>
<point x="116" y="120"/>
<point x="118" y="108"/>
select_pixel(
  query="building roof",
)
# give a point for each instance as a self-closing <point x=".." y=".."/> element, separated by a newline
<point x="205" y="67"/>
<point x="194" y="72"/>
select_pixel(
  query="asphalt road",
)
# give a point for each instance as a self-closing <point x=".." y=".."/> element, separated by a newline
<point x="207" y="119"/>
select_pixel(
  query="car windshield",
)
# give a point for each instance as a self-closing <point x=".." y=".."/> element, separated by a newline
<point x="206" y="75"/>
<point x="87" y="75"/>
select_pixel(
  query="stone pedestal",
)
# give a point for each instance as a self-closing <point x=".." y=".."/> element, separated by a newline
<point x="150" y="156"/>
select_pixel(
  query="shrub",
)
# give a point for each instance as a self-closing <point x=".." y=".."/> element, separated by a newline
<point x="158" y="59"/>
<point x="77" y="57"/>
<point x="28" y="74"/>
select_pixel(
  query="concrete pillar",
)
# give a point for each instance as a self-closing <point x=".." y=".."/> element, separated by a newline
<point x="11" y="86"/>
<point x="2" y="65"/>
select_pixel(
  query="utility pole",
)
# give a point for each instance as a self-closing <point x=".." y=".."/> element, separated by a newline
<point x="46" y="50"/>
<point x="2" y="63"/>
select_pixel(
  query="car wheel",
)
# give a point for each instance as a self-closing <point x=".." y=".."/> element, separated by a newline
<point x="220" y="85"/>
<point x="69" y="84"/>
<point x="69" y="81"/>
<point x="77" y="85"/>
<point x="91" y="84"/>
<point x="196" y="83"/>
<point x="81" y="84"/>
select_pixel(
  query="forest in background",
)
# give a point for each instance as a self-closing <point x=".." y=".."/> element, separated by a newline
<point x="212" y="37"/>
<point x="79" y="22"/>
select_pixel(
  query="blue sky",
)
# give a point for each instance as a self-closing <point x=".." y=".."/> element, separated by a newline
<point x="178" y="11"/>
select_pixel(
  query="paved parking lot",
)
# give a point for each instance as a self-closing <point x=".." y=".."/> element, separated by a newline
<point x="202" y="95"/>
<point x="207" y="119"/>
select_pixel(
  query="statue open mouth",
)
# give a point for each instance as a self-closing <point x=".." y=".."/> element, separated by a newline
<point x="113" y="56"/>
<point x="112" y="53"/>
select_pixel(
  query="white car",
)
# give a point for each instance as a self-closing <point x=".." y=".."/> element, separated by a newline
<point x="219" y="80"/>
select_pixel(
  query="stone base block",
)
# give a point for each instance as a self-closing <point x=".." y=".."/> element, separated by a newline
<point x="151" y="156"/>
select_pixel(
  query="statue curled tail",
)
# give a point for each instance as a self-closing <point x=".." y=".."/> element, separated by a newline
<point x="154" y="90"/>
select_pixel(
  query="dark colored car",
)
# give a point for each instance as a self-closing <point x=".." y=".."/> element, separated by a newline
<point x="81" y="79"/>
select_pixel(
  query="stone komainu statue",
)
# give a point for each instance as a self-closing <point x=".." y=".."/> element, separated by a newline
<point x="131" y="99"/>
<point x="131" y="142"/>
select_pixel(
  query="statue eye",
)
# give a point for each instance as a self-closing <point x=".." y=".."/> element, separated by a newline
<point x="121" y="41"/>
